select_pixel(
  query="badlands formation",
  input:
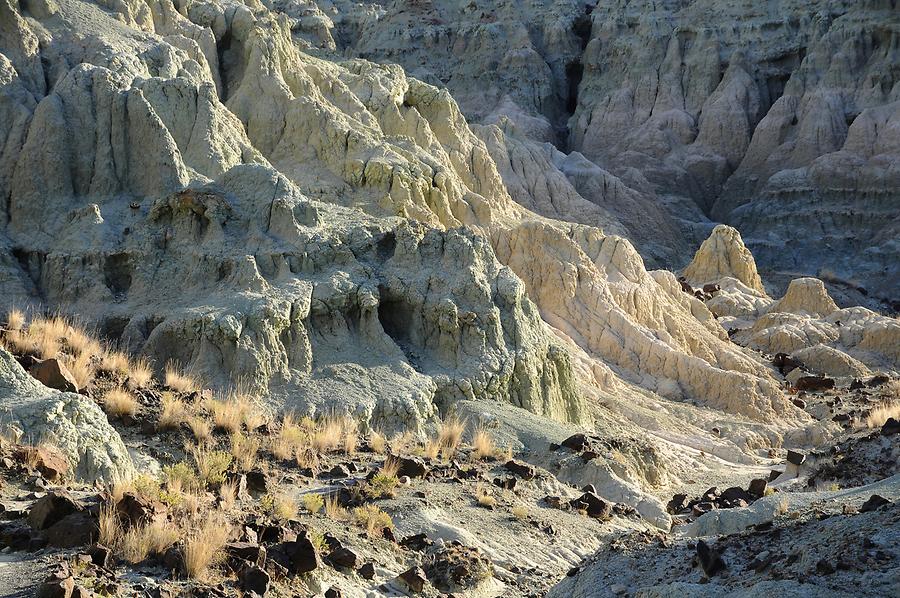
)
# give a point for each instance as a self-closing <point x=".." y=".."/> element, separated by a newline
<point x="514" y="298"/>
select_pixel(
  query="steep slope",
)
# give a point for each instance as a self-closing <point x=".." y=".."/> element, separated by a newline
<point x="780" y="119"/>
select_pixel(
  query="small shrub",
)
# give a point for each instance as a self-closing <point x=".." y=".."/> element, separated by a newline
<point x="211" y="464"/>
<point x="373" y="519"/>
<point x="279" y="507"/>
<point x="181" y="477"/>
<point x="520" y="512"/>
<point x="118" y="402"/>
<point x="317" y="539"/>
<point x="381" y="486"/>
<point x="313" y="502"/>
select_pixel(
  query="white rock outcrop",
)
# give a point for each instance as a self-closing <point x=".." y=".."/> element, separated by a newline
<point x="71" y="422"/>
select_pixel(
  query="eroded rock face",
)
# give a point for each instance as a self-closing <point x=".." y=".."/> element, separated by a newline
<point x="290" y="222"/>
<point x="724" y="254"/>
<point x="780" y="120"/>
<point x="71" y="422"/>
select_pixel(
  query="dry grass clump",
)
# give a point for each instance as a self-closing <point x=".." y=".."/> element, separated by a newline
<point x="279" y="507"/>
<point x="377" y="442"/>
<point x="204" y="547"/>
<point x="484" y="499"/>
<point x="373" y="519"/>
<point x="173" y="412"/>
<point x="886" y="410"/>
<point x="328" y="435"/>
<point x="141" y="373"/>
<point x="227" y="415"/>
<point x="115" y="362"/>
<point x="81" y="368"/>
<point x="520" y="512"/>
<point x="289" y="438"/>
<point x="139" y="541"/>
<point x="15" y="319"/>
<point x="245" y="450"/>
<point x="118" y="402"/>
<point x="333" y="508"/>
<point x="228" y="495"/>
<point x="180" y="381"/>
<point x="432" y="448"/>
<point x="483" y="445"/>
<point x="450" y="435"/>
<point x="200" y="428"/>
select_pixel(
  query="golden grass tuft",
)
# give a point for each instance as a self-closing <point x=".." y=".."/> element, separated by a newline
<point x="228" y="495"/>
<point x="200" y="428"/>
<point x="141" y="373"/>
<point x="115" y="362"/>
<point x="227" y="415"/>
<point x="450" y="435"/>
<point x="15" y="319"/>
<point x="377" y="442"/>
<point x="137" y="543"/>
<point x="882" y="413"/>
<point x="203" y="548"/>
<point x="178" y="380"/>
<point x="483" y="445"/>
<point x="173" y="412"/>
<point x="279" y="506"/>
<point x="333" y="508"/>
<point x="484" y="499"/>
<point x="520" y="512"/>
<point x="118" y="402"/>
<point x="81" y="368"/>
<point x="245" y="450"/>
<point x="327" y="436"/>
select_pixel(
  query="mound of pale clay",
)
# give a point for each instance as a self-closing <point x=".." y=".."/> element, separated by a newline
<point x="722" y="255"/>
<point x="805" y="296"/>
<point x="71" y="422"/>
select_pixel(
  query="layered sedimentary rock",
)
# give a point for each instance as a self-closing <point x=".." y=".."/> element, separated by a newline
<point x="805" y="323"/>
<point x="288" y="221"/>
<point x="778" y="119"/>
